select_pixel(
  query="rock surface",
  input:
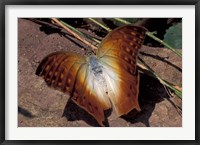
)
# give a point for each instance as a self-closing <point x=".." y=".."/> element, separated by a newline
<point x="42" y="106"/>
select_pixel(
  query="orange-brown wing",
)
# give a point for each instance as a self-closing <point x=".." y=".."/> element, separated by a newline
<point x="84" y="95"/>
<point x="69" y="72"/>
<point x="118" y="54"/>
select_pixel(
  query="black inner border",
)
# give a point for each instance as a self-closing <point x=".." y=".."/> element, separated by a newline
<point x="3" y="3"/>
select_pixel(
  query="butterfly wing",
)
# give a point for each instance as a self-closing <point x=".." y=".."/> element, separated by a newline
<point x="69" y="72"/>
<point x="74" y="74"/>
<point x="118" y="54"/>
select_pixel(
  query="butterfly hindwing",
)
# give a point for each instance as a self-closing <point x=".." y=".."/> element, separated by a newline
<point x="56" y="68"/>
<point x="84" y="95"/>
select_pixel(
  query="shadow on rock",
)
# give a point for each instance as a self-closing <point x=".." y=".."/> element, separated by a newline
<point x="151" y="92"/>
<point x="25" y="112"/>
<point x="49" y="28"/>
<point x="162" y="59"/>
<point x="73" y="112"/>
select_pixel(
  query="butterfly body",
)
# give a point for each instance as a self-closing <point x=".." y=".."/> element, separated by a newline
<point x="95" y="66"/>
<point x="99" y="82"/>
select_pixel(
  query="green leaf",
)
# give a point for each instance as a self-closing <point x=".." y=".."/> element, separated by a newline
<point x="173" y="36"/>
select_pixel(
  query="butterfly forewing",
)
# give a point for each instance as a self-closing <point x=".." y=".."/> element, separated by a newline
<point x="118" y="53"/>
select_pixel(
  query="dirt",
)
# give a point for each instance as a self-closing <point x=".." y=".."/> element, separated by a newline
<point x="42" y="106"/>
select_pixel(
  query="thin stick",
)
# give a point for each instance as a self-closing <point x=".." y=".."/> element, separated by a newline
<point x="177" y="92"/>
<point x="74" y="34"/>
<point x="122" y="20"/>
<point x="98" y="23"/>
<point x="79" y="32"/>
<point x="162" y="42"/>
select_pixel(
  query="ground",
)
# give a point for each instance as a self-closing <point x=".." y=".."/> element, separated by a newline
<point x="42" y="106"/>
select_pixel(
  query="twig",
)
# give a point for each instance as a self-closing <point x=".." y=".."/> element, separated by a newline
<point x="79" y="32"/>
<point x="177" y="92"/>
<point x="162" y="42"/>
<point x="122" y="20"/>
<point x="98" y="23"/>
<point x="74" y="34"/>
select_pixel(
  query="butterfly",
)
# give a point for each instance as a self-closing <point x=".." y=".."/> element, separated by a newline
<point x="98" y="82"/>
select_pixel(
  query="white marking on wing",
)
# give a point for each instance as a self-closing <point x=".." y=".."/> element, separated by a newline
<point x="98" y="87"/>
